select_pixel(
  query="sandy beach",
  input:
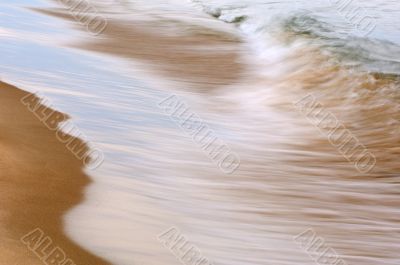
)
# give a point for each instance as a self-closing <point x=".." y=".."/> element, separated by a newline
<point x="41" y="180"/>
<point x="282" y="97"/>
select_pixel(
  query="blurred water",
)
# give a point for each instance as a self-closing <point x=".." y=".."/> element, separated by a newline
<point x="336" y="14"/>
<point x="290" y="179"/>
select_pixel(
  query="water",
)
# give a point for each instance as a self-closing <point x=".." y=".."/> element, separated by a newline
<point x="290" y="179"/>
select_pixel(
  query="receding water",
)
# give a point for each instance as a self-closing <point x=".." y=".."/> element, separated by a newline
<point x="155" y="176"/>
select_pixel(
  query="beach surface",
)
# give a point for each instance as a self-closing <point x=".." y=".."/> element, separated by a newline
<point x="40" y="179"/>
<point x="246" y="80"/>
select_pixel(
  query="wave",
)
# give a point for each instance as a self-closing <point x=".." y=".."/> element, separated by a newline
<point x="265" y="21"/>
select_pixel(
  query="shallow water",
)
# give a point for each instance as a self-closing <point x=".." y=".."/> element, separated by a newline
<point x="290" y="178"/>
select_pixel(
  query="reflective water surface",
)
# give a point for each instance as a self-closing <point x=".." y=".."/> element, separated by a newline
<point x="155" y="176"/>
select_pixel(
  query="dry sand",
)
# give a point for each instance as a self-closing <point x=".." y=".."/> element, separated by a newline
<point x="40" y="181"/>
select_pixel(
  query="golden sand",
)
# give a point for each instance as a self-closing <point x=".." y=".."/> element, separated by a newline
<point x="40" y="181"/>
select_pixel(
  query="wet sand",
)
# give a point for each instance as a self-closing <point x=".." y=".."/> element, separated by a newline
<point x="316" y="186"/>
<point x="199" y="55"/>
<point x="40" y="181"/>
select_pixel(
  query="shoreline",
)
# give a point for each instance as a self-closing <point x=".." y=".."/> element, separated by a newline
<point x="40" y="189"/>
<point x="42" y="180"/>
<point x="284" y="156"/>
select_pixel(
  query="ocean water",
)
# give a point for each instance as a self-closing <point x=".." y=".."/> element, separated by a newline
<point x="290" y="178"/>
<point x="288" y="181"/>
